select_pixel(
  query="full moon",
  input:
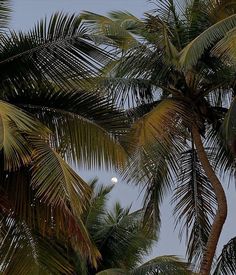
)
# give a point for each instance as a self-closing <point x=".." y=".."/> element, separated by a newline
<point x="114" y="180"/>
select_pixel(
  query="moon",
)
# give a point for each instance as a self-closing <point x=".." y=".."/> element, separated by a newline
<point x="114" y="180"/>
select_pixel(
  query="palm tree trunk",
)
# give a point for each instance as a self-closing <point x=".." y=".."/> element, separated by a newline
<point x="221" y="212"/>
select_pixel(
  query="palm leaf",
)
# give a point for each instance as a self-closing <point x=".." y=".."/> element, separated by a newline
<point x="86" y="126"/>
<point x="14" y="125"/>
<point x="47" y="219"/>
<point x="120" y="28"/>
<point x="121" y="235"/>
<point x="195" y="49"/>
<point x="23" y="252"/>
<point x="5" y="13"/>
<point x="159" y="124"/>
<point x="230" y="124"/>
<point x="196" y="204"/>
<point x="168" y="265"/>
<point x="222" y="157"/>
<point x="55" y="181"/>
<point x="55" y="51"/>
<point x="226" y="263"/>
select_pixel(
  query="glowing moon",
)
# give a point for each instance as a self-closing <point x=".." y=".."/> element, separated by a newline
<point x="114" y="180"/>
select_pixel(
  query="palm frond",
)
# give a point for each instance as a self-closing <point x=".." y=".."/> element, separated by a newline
<point x="120" y="28"/>
<point x="226" y="263"/>
<point x="168" y="265"/>
<point x="56" y="183"/>
<point x="57" y="51"/>
<point x="95" y="211"/>
<point x="221" y="151"/>
<point x="164" y="265"/>
<point x="122" y="236"/>
<point x="195" y="204"/>
<point x="159" y="124"/>
<point x="5" y="14"/>
<point x="14" y="126"/>
<point x="195" y="49"/>
<point x="24" y="205"/>
<point x="86" y="127"/>
<point x="229" y="125"/>
<point x="23" y="252"/>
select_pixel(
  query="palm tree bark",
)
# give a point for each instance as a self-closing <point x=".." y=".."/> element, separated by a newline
<point x="221" y="212"/>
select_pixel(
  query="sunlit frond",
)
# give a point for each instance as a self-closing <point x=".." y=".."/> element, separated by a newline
<point x="159" y="124"/>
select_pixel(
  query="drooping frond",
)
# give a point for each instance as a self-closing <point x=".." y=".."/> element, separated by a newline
<point x="56" y="183"/>
<point x="154" y="153"/>
<point x="43" y="215"/>
<point x="195" y="205"/>
<point x="226" y="263"/>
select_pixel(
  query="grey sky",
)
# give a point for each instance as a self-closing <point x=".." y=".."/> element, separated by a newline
<point x="28" y="12"/>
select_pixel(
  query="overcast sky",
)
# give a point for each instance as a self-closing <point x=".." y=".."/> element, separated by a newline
<point x="25" y="14"/>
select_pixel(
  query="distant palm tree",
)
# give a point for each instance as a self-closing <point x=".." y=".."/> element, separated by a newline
<point x="48" y="114"/>
<point x="122" y="240"/>
<point x="175" y="70"/>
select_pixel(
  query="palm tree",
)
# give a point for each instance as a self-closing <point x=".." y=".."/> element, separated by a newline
<point x="121" y="239"/>
<point x="48" y="115"/>
<point x="171" y="69"/>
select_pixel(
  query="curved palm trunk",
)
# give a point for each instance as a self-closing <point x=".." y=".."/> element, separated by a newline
<point x="221" y="213"/>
